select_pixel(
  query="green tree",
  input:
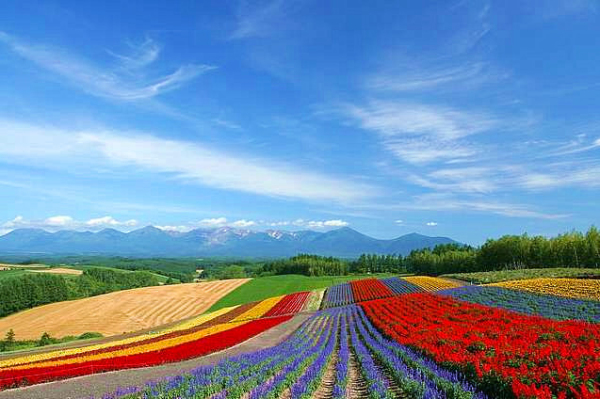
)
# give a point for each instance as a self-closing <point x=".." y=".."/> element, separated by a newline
<point x="9" y="340"/>
<point x="45" y="339"/>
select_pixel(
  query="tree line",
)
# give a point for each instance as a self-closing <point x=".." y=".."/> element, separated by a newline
<point x="573" y="249"/>
<point x="30" y="290"/>
<point x="308" y="265"/>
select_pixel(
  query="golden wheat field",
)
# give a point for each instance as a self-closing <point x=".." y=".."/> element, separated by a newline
<point x="119" y="312"/>
<point x="58" y="270"/>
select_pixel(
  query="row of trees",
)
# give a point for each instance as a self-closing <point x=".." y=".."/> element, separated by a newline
<point x="308" y="265"/>
<point x="572" y="249"/>
<point x="30" y="290"/>
<point x="10" y="343"/>
<point x="27" y="291"/>
<point x="373" y="263"/>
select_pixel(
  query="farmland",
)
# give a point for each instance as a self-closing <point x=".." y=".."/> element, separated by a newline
<point x="118" y="312"/>
<point x="394" y="337"/>
<point x="264" y="287"/>
<point x="525" y="274"/>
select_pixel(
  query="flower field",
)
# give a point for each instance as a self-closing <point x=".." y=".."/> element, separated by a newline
<point x="368" y="289"/>
<point x="365" y="290"/>
<point x="567" y="287"/>
<point x="549" y="306"/>
<point x="414" y="337"/>
<point x="338" y="295"/>
<point x="400" y="286"/>
<point x="432" y="283"/>
<point x="197" y="337"/>
<point x="337" y="352"/>
<point x="506" y="353"/>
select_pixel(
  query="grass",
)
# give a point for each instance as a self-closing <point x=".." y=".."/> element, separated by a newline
<point x="160" y="277"/>
<point x="32" y="344"/>
<point x="4" y="274"/>
<point x="265" y="287"/>
<point x="523" y="274"/>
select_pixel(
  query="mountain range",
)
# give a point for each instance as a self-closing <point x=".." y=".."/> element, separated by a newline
<point x="225" y="241"/>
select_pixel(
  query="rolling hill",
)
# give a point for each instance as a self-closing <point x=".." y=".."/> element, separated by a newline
<point x="226" y="241"/>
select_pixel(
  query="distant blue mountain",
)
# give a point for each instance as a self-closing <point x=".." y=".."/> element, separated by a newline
<point x="226" y="241"/>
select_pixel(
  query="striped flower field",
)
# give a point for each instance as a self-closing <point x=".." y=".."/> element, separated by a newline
<point x="197" y="337"/>
<point x="395" y="338"/>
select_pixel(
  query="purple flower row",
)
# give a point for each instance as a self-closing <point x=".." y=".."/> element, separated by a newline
<point x="399" y="286"/>
<point x="338" y="295"/>
<point x="550" y="306"/>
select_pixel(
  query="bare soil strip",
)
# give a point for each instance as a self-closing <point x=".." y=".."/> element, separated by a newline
<point x="393" y="387"/>
<point x="99" y="384"/>
<point x="357" y="386"/>
<point x="325" y="390"/>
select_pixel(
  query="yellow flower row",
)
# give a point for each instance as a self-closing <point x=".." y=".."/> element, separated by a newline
<point x="138" y="338"/>
<point x="134" y="350"/>
<point x="565" y="287"/>
<point x="255" y="312"/>
<point x="432" y="283"/>
<point x="259" y="310"/>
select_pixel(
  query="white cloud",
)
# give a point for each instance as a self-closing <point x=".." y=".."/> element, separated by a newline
<point x="64" y="222"/>
<point x="187" y="161"/>
<point x="399" y="221"/>
<point x="317" y="224"/>
<point x="419" y="133"/>
<point x="179" y="229"/>
<point x="336" y="223"/>
<point x="449" y="202"/>
<point x="59" y="221"/>
<point x="560" y="175"/>
<point x="213" y="222"/>
<point x="408" y="78"/>
<point x="110" y="221"/>
<point x="112" y="83"/>
<point x="142" y="54"/>
<point x="243" y="223"/>
<point x="404" y="119"/>
<point x="427" y="150"/>
<point x="466" y="180"/>
<point x="431" y="224"/>
<point x="256" y="19"/>
<point x="276" y="224"/>
<point x="197" y="163"/>
<point x="226" y="123"/>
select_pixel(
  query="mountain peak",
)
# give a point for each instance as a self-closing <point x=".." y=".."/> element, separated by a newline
<point x="151" y="241"/>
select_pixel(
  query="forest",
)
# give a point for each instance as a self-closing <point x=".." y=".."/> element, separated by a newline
<point x="573" y="249"/>
<point x="28" y="291"/>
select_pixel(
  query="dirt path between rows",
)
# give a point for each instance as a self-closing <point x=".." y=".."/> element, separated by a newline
<point x="325" y="390"/>
<point x="99" y="384"/>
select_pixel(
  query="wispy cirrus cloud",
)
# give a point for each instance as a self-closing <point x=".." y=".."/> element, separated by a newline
<point x="187" y="162"/>
<point x="422" y="133"/>
<point x="129" y="80"/>
<point x="416" y="77"/>
<point x="448" y="202"/>
<point x="262" y="19"/>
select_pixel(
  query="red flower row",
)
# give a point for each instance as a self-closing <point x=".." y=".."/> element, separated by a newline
<point x="203" y="346"/>
<point x="537" y="357"/>
<point x="368" y="289"/>
<point x="290" y="304"/>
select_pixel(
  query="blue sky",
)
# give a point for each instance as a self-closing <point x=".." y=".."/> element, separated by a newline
<point x="469" y="119"/>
